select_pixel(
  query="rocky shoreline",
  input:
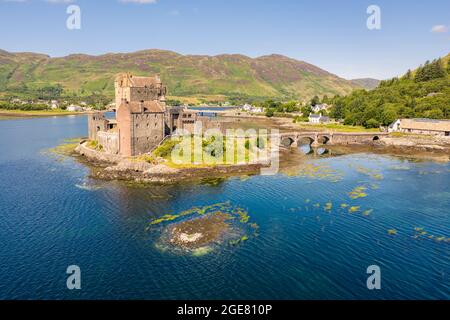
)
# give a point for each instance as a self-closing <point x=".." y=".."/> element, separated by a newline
<point x="114" y="167"/>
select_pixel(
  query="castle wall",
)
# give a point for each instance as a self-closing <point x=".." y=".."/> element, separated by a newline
<point x="122" y="94"/>
<point x="144" y="94"/>
<point x="96" y="123"/>
<point x="148" y="131"/>
<point x="124" y="123"/>
<point x="109" y="141"/>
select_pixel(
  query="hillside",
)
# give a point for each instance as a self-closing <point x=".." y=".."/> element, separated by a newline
<point x="366" y="83"/>
<point x="420" y="93"/>
<point x="273" y="76"/>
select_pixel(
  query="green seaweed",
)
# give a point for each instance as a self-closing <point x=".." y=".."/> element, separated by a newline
<point x="358" y="193"/>
<point x="353" y="209"/>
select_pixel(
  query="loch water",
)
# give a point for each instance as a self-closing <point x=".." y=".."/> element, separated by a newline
<point x="315" y="241"/>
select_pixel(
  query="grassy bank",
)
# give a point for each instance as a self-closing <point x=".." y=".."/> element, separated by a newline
<point x="335" y="127"/>
<point x="38" y="113"/>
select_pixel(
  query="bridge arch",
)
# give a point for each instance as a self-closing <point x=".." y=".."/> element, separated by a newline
<point x="308" y="139"/>
<point x="323" y="139"/>
<point x="375" y="138"/>
<point x="287" y="141"/>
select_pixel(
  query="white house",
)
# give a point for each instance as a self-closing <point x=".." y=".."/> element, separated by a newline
<point x="394" y="126"/>
<point x="54" y="104"/>
<point x="318" y="118"/>
<point x="74" y="108"/>
<point x="320" y="107"/>
<point x="252" y="109"/>
<point x="421" y="126"/>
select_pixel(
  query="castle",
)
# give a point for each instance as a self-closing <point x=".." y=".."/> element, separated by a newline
<point x="143" y="120"/>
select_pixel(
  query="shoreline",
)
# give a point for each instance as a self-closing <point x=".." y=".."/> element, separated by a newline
<point x="115" y="167"/>
<point x="17" y="114"/>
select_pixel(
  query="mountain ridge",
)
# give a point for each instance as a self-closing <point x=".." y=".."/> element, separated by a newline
<point x="223" y="75"/>
<point x="366" y="83"/>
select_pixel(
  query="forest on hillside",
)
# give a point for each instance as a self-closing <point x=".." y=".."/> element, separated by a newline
<point x="423" y="93"/>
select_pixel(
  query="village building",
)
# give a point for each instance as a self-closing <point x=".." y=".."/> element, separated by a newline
<point x="318" y="118"/>
<point x="252" y="109"/>
<point x="320" y="107"/>
<point x="74" y="108"/>
<point x="421" y="126"/>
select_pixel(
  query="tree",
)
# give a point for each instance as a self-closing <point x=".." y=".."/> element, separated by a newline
<point x="372" y="123"/>
<point x="290" y="106"/>
<point x="434" y="114"/>
<point x="270" y="112"/>
<point x="337" y="111"/>
<point x="306" y="110"/>
<point x="430" y="71"/>
<point x="315" y="101"/>
<point x="408" y="75"/>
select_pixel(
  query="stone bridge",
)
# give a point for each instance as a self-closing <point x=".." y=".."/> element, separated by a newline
<point x="315" y="139"/>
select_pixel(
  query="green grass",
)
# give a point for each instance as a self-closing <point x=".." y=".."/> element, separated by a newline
<point x="18" y="113"/>
<point x="166" y="149"/>
<point x="336" y="127"/>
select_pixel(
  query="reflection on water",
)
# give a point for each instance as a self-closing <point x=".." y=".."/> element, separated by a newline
<point x="329" y="214"/>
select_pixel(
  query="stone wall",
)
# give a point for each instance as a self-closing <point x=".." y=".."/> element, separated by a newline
<point x="109" y="141"/>
<point x="96" y="155"/>
<point x="148" y="130"/>
<point x="426" y="132"/>
<point x="146" y="94"/>
<point x="96" y="123"/>
<point x="354" y="139"/>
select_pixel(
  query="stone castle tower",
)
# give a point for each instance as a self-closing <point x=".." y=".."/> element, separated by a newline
<point x="140" y="110"/>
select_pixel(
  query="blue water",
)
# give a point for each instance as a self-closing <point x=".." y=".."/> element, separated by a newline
<point x="52" y="216"/>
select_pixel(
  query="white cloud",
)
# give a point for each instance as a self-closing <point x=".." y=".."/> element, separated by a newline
<point x="440" y="28"/>
<point x="138" y="1"/>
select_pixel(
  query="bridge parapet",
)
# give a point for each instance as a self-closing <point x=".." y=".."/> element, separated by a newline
<point x="322" y="137"/>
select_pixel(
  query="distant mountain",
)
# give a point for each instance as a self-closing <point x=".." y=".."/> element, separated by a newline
<point x="272" y="76"/>
<point x="366" y="83"/>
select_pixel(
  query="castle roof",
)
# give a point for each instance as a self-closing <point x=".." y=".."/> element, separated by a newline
<point x="128" y="80"/>
<point x="144" y="81"/>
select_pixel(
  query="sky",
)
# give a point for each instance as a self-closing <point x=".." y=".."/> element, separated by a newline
<point x="331" y="34"/>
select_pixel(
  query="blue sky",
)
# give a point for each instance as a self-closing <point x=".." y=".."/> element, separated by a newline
<point x="331" y="34"/>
